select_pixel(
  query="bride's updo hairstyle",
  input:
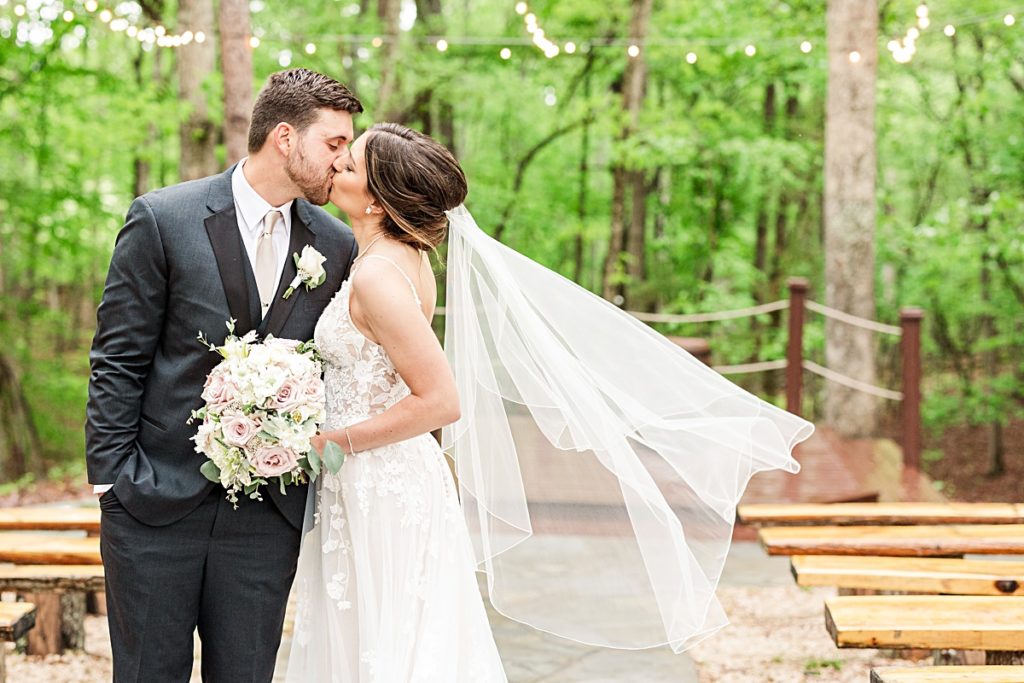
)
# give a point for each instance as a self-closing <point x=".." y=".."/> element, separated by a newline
<point x="415" y="179"/>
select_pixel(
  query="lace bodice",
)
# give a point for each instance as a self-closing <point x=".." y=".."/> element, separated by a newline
<point x="361" y="380"/>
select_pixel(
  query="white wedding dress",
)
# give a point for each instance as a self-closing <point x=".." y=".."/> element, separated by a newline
<point x="386" y="587"/>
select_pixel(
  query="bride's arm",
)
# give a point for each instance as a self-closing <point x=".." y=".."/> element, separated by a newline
<point x="384" y="307"/>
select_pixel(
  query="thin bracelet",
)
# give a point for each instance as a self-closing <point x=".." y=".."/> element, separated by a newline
<point x="351" y="450"/>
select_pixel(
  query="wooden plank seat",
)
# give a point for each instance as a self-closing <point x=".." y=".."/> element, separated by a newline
<point x="911" y="574"/>
<point x="992" y="624"/>
<point x="891" y="514"/>
<point x="50" y="519"/>
<point x="906" y="541"/>
<point x="948" y="674"/>
<point x="35" y="578"/>
<point x="16" y="618"/>
<point x="25" y="548"/>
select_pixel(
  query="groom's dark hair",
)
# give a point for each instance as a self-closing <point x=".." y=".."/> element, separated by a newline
<point x="296" y="96"/>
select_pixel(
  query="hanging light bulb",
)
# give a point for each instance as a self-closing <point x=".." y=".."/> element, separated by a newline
<point x="377" y="42"/>
<point x="310" y="48"/>
<point x="1009" y="20"/>
<point x="254" y="42"/>
<point x="950" y="30"/>
<point x="442" y="45"/>
<point x="506" y="53"/>
<point x="521" y="8"/>
<point x="633" y="51"/>
<point x="806" y="46"/>
<point x="750" y="50"/>
<point x="691" y="57"/>
<point x="570" y="48"/>
<point x="854" y="57"/>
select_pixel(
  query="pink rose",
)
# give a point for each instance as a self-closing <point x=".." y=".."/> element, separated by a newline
<point x="238" y="429"/>
<point x="314" y="392"/>
<point x="288" y="396"/>
<point x="218" y="390"/>
<point x="271" y="461"/>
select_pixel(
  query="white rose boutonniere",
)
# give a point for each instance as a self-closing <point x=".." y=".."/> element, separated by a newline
<point x="311" y="270"/>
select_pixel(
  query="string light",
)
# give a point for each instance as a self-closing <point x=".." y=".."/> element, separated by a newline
<point x="903" y="49"/>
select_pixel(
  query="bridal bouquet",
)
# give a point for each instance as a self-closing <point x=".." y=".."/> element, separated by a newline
<point x="264" y="402"/>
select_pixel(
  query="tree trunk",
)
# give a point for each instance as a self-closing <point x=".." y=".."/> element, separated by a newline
<point x="388" y="105"/>
<point x="850" y="170"/>
<point x="236" y="67"/>
<point x="195" y="65"/>
<point x="20" y="447"/>
<point x="634" y="82"/>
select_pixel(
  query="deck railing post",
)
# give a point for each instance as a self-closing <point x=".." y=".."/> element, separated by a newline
<point x="795" y="348"/>
<point x="910" y="343"/>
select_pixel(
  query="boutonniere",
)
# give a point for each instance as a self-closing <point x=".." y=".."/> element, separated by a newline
<point x="311" y="270"/>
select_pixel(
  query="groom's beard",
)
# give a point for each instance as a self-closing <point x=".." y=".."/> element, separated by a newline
<point x="313" y="183"/>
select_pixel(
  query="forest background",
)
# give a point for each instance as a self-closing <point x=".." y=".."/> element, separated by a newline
<point x="669" y="155"/>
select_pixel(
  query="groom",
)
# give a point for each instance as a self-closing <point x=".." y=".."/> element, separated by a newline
<point x="191" y="256"/>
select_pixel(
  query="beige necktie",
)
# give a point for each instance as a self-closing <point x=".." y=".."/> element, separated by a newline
<point x="266" y="260"/>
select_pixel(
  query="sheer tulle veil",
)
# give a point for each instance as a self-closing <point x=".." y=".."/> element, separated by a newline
<point x="599" y="465"/>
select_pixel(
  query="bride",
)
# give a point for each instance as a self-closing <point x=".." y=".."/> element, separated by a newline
<point x="598" y="465"/>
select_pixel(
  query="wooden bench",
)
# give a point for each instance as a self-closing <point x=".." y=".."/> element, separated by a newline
<point x="906" y="541"/>
<point x="61" y="612"/>
<point x="911" y="574"/>
<point x="992" y="624"/>
<point x="16" y="618"/>
<point x="949" y="674"/>
<point x="50" y="519"/>
<point x="892" y="514"/>
<point x="25" y="548"/>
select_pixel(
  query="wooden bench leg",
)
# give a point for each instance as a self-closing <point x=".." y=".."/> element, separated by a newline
<point x="97" y="603"/>
<point x="996" y="657"/>
<point x="72" y="620"/>
<point x="3" y="662"/>
<point x="46" y="637"/>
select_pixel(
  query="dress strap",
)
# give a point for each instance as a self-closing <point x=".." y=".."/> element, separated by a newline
<point x="401" y="272"/>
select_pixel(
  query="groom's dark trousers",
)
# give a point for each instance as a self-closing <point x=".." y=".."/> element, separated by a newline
<point x="177" y="556"/>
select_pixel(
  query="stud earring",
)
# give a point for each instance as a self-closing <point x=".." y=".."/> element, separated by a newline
<point x="369" y="210"/>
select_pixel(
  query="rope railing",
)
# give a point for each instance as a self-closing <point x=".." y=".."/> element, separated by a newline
<point x="794" y="363"/>
<point x="850" y="382"/>
<point x="855" y="320"/>
<point x="745" y="368"/>
<point x="714" y="316"/>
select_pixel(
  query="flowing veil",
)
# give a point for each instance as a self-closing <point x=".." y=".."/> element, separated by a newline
<point x="599" y="465"/>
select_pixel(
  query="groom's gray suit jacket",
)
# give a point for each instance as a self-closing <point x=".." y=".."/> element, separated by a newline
<point x="179" y="267"/>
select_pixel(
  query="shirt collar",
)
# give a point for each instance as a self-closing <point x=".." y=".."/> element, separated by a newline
<point x="251" y="207"/>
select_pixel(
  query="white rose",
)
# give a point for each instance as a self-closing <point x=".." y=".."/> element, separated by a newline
<point x="311" y="264"/>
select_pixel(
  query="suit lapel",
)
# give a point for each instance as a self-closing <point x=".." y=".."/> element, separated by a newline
<point x="281" y="308"/>
<point x="222" y="229"/>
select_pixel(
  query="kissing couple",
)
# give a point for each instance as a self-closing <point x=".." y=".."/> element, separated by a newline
<point x="541" y="389"/>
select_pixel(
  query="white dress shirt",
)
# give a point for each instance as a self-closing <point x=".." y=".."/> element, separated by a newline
<point x="250" y="210"/>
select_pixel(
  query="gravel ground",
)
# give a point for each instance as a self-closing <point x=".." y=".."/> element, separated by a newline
<point x="777" y="634"/>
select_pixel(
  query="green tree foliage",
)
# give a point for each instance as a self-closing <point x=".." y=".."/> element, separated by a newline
<point x="730" y="148"/>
